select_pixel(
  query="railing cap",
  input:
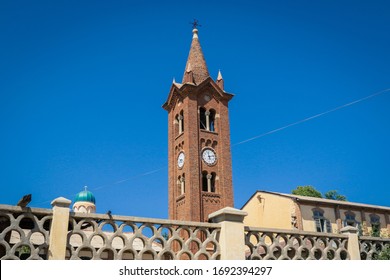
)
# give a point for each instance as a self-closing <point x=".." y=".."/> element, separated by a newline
<point x="349" y="229"/>
<point x="228" y="214"/>
<point x="61" y="202"/>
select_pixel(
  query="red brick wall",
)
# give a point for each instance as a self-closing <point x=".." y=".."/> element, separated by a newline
<point x="196" y="205"/>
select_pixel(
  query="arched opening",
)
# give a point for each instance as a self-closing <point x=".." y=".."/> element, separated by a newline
<point x="182" y="185"/>
<point x="212" y="120"/>
<point x="202" y="118"/>
<point x="179" y="123"/>
<point x="204" y="181"/>
<point x="212" y="182"/>
<point x="208" y="181"/>
<point x="178" y="185"/>
<point x="375" y="225"/>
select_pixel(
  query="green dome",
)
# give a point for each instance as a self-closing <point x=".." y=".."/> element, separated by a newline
<point x="85" y="196"/>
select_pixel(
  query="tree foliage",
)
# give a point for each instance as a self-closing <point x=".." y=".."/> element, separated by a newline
<point x="333" y="194"/>
<point x="384" y="254"/>
<point x="307" y="191"/>
<point x="311" y="191"/>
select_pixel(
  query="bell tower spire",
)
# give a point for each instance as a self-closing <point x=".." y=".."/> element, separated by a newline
<point x="199" y="157"/>
<point x="196" y="62"/>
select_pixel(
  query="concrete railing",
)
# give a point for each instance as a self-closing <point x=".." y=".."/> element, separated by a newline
<point x="34" y="233"/>
<point x="276" y="244"/>
<point x="371" y="247"/>
<point x="96" y="236"/>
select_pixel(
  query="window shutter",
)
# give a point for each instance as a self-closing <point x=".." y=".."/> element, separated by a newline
<point x="359" y="228"/>
<point x="328" y="226"/>
<point x="318" y="225"/>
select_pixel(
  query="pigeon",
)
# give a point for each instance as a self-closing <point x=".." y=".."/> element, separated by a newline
<point x="24" y="201"/>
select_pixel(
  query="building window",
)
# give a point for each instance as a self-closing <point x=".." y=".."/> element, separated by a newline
<point x="181" y="184"/>
<point x="375" y="225"/>
<point x="207" y="119"/>
<point x="350" y="219"/>
<point x="202" y="118"/>
<point x="180" y="122"/>
<point x="321" y="223"/>
<point x="212" y="120"/>
<point x="212" y="182"/>
<point x="204" y="181"/>
<point x="208" y="182"/>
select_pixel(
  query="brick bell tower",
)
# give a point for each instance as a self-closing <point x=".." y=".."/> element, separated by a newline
<point x="199" y="158"/>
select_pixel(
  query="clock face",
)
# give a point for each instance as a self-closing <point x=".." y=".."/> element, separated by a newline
<point x="209" y="156"/>
<point x="180" y="160"/>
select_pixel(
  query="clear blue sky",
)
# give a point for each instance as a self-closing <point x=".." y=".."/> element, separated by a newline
<point x="82" y="84"/>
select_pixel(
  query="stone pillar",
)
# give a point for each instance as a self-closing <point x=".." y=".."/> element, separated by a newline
<point x="353" y="242"/>
<point x="59" y="228"/>
<point x="180" y="118"/>
<point x="207" y="113"/>
<point x="232" y="236"/>
<point x="182" y="186"/>
<point x="209" y="182"/>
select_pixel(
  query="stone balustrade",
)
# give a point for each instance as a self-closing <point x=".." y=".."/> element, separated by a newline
<point x="276" y="244"/>
<point x="370" y="247"/>
<point x="58" y="233"/>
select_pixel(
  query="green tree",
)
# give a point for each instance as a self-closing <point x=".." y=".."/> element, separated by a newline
<point x="307" y="191"/>
<point x="333" y="194"/>
<point x="384" y="254"/>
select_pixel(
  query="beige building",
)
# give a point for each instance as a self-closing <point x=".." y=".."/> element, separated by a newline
<point x="287" y="211"/>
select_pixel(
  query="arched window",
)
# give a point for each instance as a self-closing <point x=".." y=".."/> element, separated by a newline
<point x="321" y="223"/>
<point x="375" y="225"/>
<point x="180" y="122"/>
<point x="204" y="181"/>
<point x="350" y="219"/>
<point x="176" y="125"/>
<point x="208" y="182"/>
<point x="212" y="182"/>
<point x="181" y="184"/>
<point x="202" y="118"/>
<point x="212" y="120"/>
<point x="207" y="119"/>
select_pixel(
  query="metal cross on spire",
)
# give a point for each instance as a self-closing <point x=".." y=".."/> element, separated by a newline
<point x="195" y="23"/>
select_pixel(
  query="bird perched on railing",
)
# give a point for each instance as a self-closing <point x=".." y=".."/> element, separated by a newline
<point x="24" y="201"/>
